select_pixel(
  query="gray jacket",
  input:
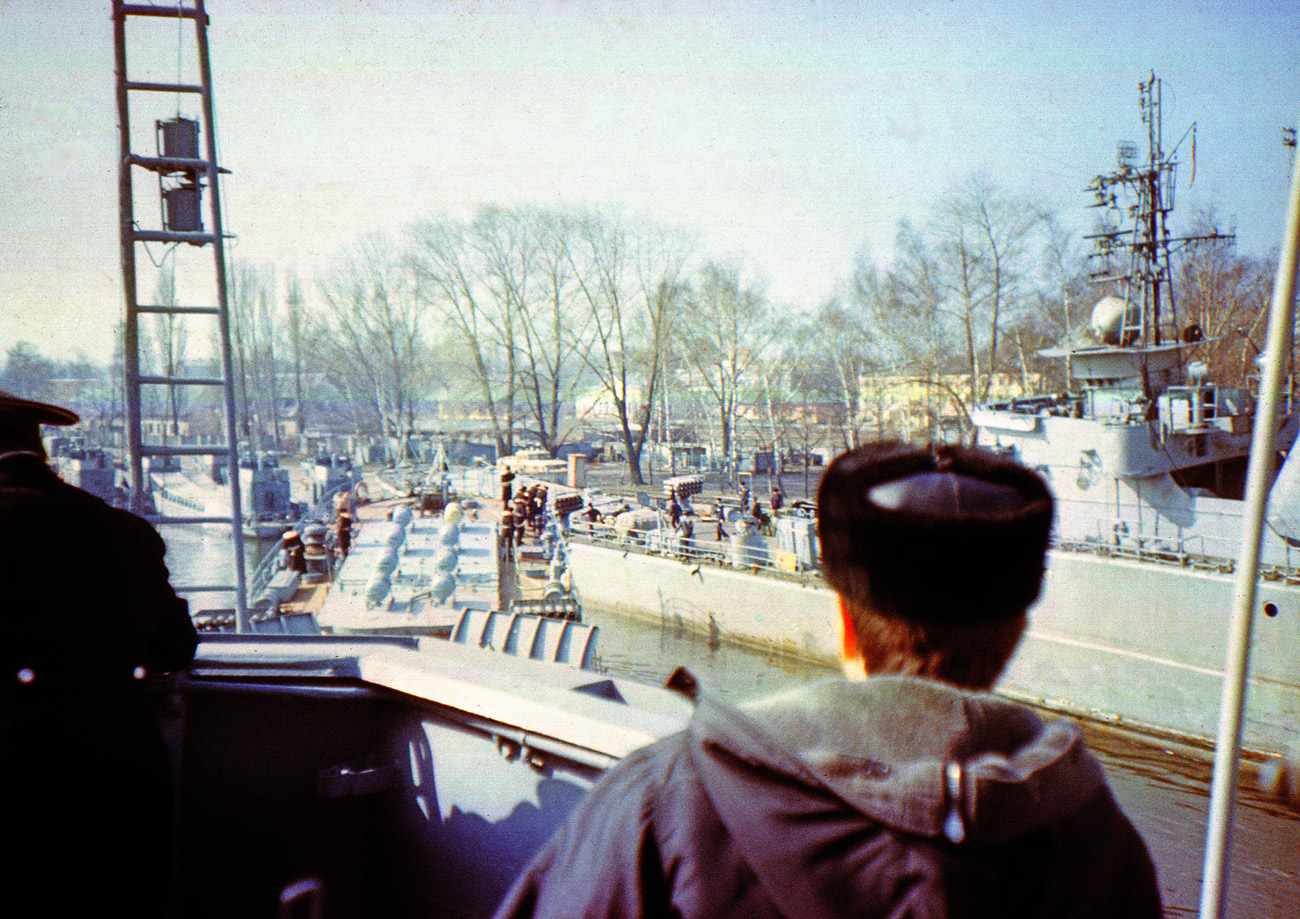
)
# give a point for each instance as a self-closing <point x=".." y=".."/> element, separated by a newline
<point x="892" y="797"/>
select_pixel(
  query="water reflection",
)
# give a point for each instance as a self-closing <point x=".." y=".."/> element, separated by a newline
<point x="203" y="554"/>
<point x="649" y="653"/>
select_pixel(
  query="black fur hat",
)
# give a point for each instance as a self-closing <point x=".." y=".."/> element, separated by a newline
<point x="943" y="533"/>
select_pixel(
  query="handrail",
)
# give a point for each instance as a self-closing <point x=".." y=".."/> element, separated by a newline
<point x="1200" y="549"/>
<point x="266" y="566"/>
<point x="667" y="544"/>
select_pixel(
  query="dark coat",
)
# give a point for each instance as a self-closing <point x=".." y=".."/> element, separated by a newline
<point x="84" y="775"/>
<point x="832" y="801"/>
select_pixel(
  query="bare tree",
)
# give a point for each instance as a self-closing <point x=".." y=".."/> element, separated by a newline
<point x="1062" y="297"/>
<point x="1223" y="299"/>
<point x="248" y="288"/>
<point x="476" y="276"/>
<point x="301" y="338"/>
<point x="916" y="326"/>
<point x="377" y="352"/>
<point x="983" y="235"/>
<point x="874" y="298"/>
<point x="28" y="373"/>
<point x="806" y="381"/>
<point x="556" y="332"/>
<point x="630" y="280"/>
<point x="267" y="322"/>
<point x="729" y="330"/>
<point x="837" y="348"/>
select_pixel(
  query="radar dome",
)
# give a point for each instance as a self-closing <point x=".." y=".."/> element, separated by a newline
<point x="1109" y="317"/>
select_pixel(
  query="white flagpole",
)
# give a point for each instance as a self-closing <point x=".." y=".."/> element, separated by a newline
<point x="1223" y="790"/>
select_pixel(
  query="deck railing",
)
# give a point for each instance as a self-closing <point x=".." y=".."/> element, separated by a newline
<point x="667" y="544"/>
<point x="1111" y="537"/>
<point x="268" y="565"/>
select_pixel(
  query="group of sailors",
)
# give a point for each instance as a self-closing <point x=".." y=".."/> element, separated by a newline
<point x="682" y="521"/>
<point x="522" y="512"/>
<point x="752" y="509"/>
<point x="337" y="542"/>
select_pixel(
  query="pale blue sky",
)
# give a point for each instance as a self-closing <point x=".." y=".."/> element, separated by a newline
<point x="788" y="134"/>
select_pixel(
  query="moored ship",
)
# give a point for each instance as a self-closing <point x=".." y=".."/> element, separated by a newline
<point x="1148" y="462"/>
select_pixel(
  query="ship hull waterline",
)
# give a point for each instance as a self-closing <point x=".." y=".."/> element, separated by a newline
<point x="1125" y="642"/>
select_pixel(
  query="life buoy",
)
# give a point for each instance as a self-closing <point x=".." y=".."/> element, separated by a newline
<point x="361" y="492"/>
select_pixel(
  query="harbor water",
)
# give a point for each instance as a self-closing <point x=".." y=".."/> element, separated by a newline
<point x="203" y="555"/>
<point x="1163" y="787"/>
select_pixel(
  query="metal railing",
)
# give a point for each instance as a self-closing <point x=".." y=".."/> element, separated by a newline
<point x="667" y="544"/>
<point x="189" y="503"/>
<point x="268" y="565"/>
<point x="1119" y="538"/>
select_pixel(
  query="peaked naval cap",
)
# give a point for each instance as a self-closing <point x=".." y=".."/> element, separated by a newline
<point x="943" y="533"/>
<point x="14" y="411"/>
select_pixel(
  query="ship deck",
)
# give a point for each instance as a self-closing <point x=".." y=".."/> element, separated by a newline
<point x="485" y="578"/>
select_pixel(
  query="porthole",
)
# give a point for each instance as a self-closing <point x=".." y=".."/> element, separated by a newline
<point x="1270" y="609"/>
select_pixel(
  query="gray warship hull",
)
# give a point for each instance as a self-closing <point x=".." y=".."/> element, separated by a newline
<point x="1122" y="640"/>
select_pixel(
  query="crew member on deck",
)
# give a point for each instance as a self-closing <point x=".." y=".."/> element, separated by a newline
<point x="343" y="534"/>
<point x="293" y="552"/>
<point x="85" y="787"/>
<point x="507" y="479"/>
<point x="507" y="535"/>
<point x="539" y="509"/>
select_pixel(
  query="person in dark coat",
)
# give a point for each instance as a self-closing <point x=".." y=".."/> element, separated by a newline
<point x="521" y="505"/>
<point x="720" y="516"/>
<point x="343" y="534"/>
<point x="507" y="535"/>
<point x="293" y="554"/>
<point x="674" y="508"/>
<point x="539" y="509"/>
<point x="686" y="537"/>
<point x="85" y="780"/>
<point x="904" y="788"/>
<point x="507" y="480"/>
